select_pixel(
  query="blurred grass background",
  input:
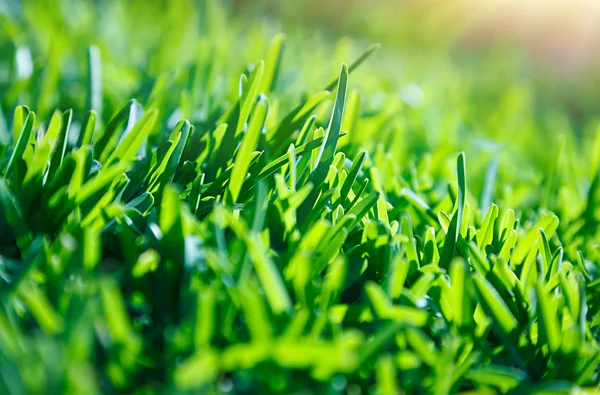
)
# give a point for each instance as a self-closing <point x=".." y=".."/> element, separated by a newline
<point x="554" y="44"/>
<point x="509" y="83"/>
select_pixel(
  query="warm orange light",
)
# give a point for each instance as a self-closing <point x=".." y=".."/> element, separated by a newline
<point x="565" y="33"/>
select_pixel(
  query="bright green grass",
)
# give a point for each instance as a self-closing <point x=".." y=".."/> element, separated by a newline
<point x="309" y="228"/>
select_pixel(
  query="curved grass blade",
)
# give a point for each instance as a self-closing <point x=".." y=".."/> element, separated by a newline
<point x="364" y="56"/>
<point x="456" y="222"/>
<point x="357" y="165"/>
<point x="485" y="235"/>
<point x="109" y="132"/>
<point x="129" y="146"/>
<point x="488" y="186"/>
<point x="494" y="306"/>
<point x="85" y="137"/>
<point x="21" y="144"/>
<point x="548" y="322"/>
<point x="327" y="151"/>
<point x="13" y="214"/>
<point x="244" y="155"/>
<point x="272" y="63"/>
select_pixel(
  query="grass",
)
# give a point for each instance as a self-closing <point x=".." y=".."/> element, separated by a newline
<point x="251" y="226"/>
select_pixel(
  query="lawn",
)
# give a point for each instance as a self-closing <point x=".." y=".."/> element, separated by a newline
<point x="195" y="199"/>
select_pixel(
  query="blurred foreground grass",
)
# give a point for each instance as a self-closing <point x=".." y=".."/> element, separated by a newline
<point x="259" y="220"/>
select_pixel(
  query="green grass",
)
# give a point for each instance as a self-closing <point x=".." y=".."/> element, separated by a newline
<point x="286" y="225"/>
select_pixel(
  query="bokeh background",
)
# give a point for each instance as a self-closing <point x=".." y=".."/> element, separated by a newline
<point x="512" y="83"/>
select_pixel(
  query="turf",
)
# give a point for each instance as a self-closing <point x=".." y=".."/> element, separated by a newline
<point x="191" y="203"/>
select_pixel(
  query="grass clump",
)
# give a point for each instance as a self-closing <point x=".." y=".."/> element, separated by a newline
<point x="240" y="237"/>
